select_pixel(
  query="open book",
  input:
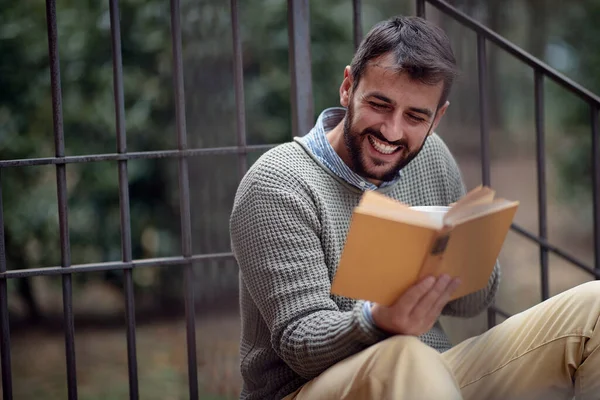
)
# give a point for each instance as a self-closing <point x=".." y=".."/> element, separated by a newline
<point x="390" y="246"/>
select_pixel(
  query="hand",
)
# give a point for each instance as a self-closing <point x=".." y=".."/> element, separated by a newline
<point x="417" y="310"/>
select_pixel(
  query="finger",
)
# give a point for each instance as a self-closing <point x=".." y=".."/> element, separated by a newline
<point x="436" y="310"/>
<point x="414" y="294"/>
<point x="423" y="308"/>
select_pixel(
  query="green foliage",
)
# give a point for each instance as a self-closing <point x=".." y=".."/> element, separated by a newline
<point x="84" y="43"/>
<point x="582" y="34"/>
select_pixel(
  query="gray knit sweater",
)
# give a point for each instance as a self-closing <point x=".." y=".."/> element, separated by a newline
<point x="288" y="226"/>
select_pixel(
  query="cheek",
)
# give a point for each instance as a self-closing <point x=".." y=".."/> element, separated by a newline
<point x="415" y="138"/>
<point x="366" y="118"/>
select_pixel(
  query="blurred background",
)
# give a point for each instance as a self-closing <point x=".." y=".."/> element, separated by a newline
<point x="566" y="36"/>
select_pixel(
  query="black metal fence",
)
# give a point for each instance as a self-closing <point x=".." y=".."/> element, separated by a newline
<point x="302" y="119"/>
<point x="541" y="71"/>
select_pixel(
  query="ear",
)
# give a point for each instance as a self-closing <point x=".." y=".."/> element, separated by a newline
<point x="346" y="87"/>
<point x="438" y="116"/>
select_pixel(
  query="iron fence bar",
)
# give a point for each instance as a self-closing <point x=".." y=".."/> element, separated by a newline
<point x="519" y="53"/>
<point x="482" y="70"/>
<point x="300" y="65"/>
<point x="498" y="311"/>
<point x="184" y="198"/>
<point x="596" y="182"/>
<point x="115" y="26"/>
<point x="61" y="181"/>
<point x="421" y="8"/>
<point x="4" y="322"/>
<point x="484" y="131"/>
<point x="555" y="250"/>
<point x="238" y="72"/>
<point x="357" y="22"/>
<point x="133" y="156"/>
<point x="113" y="265"/>
<point x="541" y="180"/>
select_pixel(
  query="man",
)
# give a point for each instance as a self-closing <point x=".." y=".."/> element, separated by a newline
<point x="288" y="225"/>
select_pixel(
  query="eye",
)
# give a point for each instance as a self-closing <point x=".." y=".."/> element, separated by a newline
<point x="378" y="106"/>
<point x="415" y="118"/>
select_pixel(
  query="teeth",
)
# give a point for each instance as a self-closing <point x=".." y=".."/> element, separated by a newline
<point x="382" y="147"/>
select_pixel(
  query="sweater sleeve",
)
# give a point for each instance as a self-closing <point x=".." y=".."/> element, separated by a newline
<point x="474" y="303"/>
<point x="275" y="239"/>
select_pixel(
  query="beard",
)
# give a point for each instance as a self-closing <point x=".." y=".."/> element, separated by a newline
<point x="353" y="141"/>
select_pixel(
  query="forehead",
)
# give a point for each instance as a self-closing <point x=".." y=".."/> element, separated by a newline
<point x="381" y="75"/>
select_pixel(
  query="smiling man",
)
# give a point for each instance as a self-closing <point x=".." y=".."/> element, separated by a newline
<point x="288" y="227"/>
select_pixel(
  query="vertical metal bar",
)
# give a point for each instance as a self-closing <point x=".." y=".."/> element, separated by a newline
<point x="421" y="8"/>
<point x="184" y="198"/>
<point x="238" y="71"/>
<point x="541" y="179"/>
<point x="483" y="109"/>
<point x="4" y="323"/>
<point x="484" y="131"/>
<point x="300" y="65"/>
<point x="357" y="22"/>
<point x="61" y="182"/>
<point x="594" y="108"/>
<point x="124" y="196"/>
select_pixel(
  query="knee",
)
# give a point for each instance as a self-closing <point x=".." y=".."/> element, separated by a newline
<point x="409" y="368"/>
<point x="587" y="295"/>
<point x="404" y="344"/>
<point x="408" y="350"/>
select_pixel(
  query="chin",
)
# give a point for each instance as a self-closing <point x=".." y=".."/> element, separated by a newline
<point x="380" y="173"/>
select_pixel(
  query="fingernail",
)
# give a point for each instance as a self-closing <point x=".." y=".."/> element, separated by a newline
<point x="445" y="279"/>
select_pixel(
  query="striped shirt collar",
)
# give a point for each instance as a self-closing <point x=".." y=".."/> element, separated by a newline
<point x="317" y="143"/>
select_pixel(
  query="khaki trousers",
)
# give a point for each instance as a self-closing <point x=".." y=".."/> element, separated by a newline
<point x="550" y="351"/>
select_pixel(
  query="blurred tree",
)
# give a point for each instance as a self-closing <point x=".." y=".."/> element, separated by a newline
<point x="581" y="34"/>
<point x="30" y="209"/>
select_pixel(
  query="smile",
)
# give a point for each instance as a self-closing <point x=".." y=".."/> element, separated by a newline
<point x="382" y="147"/>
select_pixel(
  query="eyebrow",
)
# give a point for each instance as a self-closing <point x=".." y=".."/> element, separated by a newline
<point x="380" y="96"/>
<point x="385" y="99"/>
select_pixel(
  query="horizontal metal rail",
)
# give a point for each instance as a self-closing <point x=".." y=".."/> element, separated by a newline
<point x="134" y="156"/>
<point x="113" y="265"/>
<point x="561" y="253"/>
<point x="516" y="51"/>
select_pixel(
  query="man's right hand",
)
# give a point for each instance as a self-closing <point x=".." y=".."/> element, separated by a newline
<point x="417" y="310"/>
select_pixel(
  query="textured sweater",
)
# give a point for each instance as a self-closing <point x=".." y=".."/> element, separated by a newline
<point x="288" y="226"/>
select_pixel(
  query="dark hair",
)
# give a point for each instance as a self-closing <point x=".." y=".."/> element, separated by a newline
<point x="420" y="49"/>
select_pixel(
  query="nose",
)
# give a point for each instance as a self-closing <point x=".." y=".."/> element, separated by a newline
<point x="392" y="128"/>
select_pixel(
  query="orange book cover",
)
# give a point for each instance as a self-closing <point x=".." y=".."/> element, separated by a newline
<point x="390" y="245"/>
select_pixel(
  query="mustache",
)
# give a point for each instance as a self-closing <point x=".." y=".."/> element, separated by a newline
<point x="379" y="136"/>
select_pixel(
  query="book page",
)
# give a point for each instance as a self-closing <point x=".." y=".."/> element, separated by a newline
<point x="377" y="204"/>
<point x="479" y="195"/>
<point x="474" y="246"/>
<point x="477" y="210"/>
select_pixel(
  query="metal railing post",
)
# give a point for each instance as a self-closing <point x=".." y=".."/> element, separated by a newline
<point x="61" y="183"/>
<point x="357" y="22"/>
<point x="421" y="8"/>
<point x="541" y="180"/>
<point x="300" y="66"/>
<point x="4" y="322"/>
<point x="594" y="108"/>
<point x="126" y="253"/>
<point x="184" y="199"/>
<point x="238" y="73"/>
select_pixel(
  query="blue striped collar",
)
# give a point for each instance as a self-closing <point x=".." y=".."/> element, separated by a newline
<point x="317" y="143"/>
